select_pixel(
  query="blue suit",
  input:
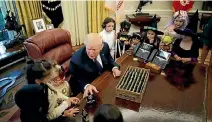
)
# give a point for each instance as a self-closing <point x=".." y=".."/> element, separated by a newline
<point x="83" y="69"/>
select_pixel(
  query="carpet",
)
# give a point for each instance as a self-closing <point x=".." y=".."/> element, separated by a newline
<point x="7" y="103"/>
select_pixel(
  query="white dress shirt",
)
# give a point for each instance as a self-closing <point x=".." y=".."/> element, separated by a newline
<point x="98" y="58"/>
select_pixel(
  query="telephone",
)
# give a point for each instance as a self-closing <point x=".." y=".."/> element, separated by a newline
<point x="142" y="50"/>
<point x="156" y="56"/>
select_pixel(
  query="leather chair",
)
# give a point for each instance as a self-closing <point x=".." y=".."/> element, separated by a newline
<point x="51" y="45"/>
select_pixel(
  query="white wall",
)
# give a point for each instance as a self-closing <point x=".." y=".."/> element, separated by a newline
<point x="161" y="8"/>
<point x="157" y="5"/>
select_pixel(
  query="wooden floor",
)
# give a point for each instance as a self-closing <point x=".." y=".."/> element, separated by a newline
<point x="209" y="95"/>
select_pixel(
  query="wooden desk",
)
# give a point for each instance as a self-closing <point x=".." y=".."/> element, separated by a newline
<point x="161" y="101"/>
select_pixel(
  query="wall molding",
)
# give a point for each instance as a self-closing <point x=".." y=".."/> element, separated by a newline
<point x="161" y="11"/>
<point x="165" y="15"/>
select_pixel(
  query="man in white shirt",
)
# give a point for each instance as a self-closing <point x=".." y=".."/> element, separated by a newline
<point x="89" y="62"/>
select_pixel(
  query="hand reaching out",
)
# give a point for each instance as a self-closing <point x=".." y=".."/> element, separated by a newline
<point x="71" y="112"/>
<point x="185" y="60"/>
<point x="73" y="100"/>
<point x="177" y="58"/>
<point x="116" y="72"/>
<point x="90" y="89"/>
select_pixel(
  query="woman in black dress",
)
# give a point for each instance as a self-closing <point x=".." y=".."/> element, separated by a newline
<point x="185" y="52"/>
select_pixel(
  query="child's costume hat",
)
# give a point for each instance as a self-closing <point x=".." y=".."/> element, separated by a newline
<point x="193" y="22"/>
<point x="153" y="27"/>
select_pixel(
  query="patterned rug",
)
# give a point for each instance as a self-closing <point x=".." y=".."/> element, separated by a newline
<point x="7" y="103"/>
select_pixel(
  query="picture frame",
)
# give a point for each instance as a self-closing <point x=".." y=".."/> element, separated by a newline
<point x="49" y="26"/>
<point x="39" y="25"/>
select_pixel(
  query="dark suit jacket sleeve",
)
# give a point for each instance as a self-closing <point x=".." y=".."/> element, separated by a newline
<point x="78" y="76"/>
<point x="111" y="61"/>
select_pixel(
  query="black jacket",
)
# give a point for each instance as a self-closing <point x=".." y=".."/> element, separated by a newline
<point x="83" y="69"/>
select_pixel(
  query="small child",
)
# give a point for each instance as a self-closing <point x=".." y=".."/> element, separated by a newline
<point x="59" y="83"/>
<point x="123" y="40"/>
<point x="136" y="38"/>
<point x="43" y="73"/>
<point x="108" y="33"/>
<point x="179" y="21"/>
<point x="151" y="34"/>
<point x="108" y="113"/>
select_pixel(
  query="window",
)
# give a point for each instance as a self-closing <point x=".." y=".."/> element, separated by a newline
<point x="3" y="33"/>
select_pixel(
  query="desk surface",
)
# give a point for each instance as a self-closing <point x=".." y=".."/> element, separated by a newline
<point x="161" y="101"/>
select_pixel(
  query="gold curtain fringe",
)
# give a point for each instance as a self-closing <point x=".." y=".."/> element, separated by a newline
<point x="46" y="17"/>
<point x="60" y="25"/>
<point x="49" y="21"/>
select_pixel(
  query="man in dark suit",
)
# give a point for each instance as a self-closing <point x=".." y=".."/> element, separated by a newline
<point x="89" y="62"/>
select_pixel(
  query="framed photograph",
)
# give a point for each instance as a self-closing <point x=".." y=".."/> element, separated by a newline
<point x="49" y="26"/>
<point x="39" y="25"/>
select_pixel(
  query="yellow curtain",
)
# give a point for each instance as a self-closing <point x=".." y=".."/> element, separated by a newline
<point x="28" y="10"/>
<point x="75" y="20"/>
<point x="96" y="15"/>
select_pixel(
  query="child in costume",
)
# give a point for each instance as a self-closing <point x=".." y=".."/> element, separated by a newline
<point x="123" y="39"/>
<point x="136" y="38"/>
<point x="108" y="33"/>
<point x="47" y="74"/>
<point x="166" y="42"/>
<point x="185" y="52"/>
<point x="179" y="21"/>
<point x="151" y="34"/>
<point x="59" y="83"/>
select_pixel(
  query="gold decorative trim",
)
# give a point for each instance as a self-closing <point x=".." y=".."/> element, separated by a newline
<point x="60" y="25"/>
<point x="47" y="18"/>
